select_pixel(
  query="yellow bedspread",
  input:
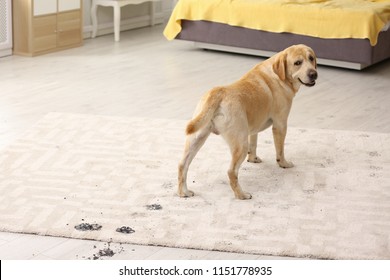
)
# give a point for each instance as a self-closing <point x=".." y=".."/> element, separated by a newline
<point x="318" y="18"/>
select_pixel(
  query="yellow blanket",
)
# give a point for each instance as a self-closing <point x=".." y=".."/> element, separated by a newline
<point x="318" y="18"/>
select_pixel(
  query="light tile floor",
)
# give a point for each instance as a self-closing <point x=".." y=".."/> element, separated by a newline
<point x="146" y="76"/>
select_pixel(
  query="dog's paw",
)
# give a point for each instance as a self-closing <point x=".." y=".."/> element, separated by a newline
<point x="186" y="193"/>
<point x="254" y="159"/>
<point x="244" y="195"/>
<point x="285" y="164"/>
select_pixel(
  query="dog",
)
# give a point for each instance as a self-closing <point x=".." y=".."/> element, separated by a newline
<point x="239" y="111"/>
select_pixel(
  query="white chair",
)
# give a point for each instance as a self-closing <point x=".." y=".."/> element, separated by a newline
<point x="117" y="5"/>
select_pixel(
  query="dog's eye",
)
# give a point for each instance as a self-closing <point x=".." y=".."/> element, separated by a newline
<point x="311" y="58"/>
<point x="297" y="63"/>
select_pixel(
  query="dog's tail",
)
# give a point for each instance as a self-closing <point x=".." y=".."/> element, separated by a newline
<point x="209" y="106"/>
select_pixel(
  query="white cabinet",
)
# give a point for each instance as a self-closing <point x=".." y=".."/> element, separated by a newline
<point x="46" y="25"/>
<point x="5" y="27"/>
<point x="44" y="7"/>
<point x="67" y="5"/>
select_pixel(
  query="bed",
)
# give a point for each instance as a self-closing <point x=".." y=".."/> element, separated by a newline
<point x="346" y="33"/>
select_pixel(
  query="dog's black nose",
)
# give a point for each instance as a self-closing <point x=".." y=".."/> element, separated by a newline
<point x="313" y="75"/>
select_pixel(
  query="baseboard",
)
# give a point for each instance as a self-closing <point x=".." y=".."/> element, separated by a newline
<point x="5" y="52"/>
<point x="127" y="24"/>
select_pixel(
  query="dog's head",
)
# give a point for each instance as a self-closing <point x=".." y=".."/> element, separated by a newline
<point x="297" y="64"/>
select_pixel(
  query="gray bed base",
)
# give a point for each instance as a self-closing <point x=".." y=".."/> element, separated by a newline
<point x="347" y="53"/>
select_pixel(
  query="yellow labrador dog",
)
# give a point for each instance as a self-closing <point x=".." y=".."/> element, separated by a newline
<point x="238" y="112"/>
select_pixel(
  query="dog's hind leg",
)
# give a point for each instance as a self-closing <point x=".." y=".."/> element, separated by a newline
<point x="252" y="157"/>
<point x="193" y="144"/>
<point x="238" y="147"/>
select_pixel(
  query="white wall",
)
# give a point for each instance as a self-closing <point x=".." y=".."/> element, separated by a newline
<point x="132" y="16"/>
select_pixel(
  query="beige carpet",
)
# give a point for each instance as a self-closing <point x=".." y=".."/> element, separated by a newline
<point x="112" y="171"/>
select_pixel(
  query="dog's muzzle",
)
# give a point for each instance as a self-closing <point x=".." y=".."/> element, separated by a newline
<point x="312" y="75"/>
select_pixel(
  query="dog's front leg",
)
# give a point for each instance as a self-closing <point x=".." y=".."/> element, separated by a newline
<point x="238" y="156"/>
<point x="238" y="147"/>
<point x="252" y="157"/>
<point x="279" y="132"/>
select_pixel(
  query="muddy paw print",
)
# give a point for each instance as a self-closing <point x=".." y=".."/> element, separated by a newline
<point x="125" y="229"/>
<point x="153" y="207"/>
<point x="86" y="227"/>
<point x="374" y="154"/>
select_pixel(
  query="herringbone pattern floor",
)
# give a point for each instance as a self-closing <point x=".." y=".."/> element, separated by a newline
<point x="112" y="171"/>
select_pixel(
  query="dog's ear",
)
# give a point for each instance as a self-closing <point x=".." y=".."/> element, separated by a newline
<point x="280" y="66"/>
